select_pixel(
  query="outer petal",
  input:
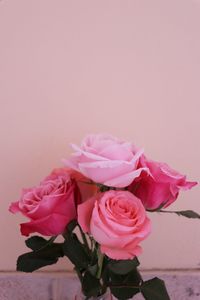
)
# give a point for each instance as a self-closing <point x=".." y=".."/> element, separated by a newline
<point x="125" y="180"/>
<point x="105" y="171"/>
<point x="188" y="185"/>
<point x="115" y="253"/>
<point x="71" y="163"/>
<point x="50" y="226"/>
<point x="153" y="194"/>
<point x="14" y="207"/>
<point x="84" y="214"/>
<point x="86" y="154"/>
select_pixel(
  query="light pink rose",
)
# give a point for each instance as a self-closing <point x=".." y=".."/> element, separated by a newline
<point x="49" y="206"/>
<point x="106" y="160"/>
<point x="162" y="187"/>
<point x="117" y="221"/>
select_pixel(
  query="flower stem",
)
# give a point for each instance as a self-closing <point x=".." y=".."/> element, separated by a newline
<point x="84" y="239"/>
<point x="100" y="263"/>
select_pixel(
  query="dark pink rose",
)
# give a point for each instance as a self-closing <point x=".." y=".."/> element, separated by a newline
<point x="50" y="206"/>
<point x="161" y="187"/>
<point x="106" y="160"/>
<point x="117" y="221"/>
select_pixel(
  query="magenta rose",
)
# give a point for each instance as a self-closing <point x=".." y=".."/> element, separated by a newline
<point x="117" y="221"/>
<point x="162" y="187"/>
<point x="50" y="206"/>
<point x="106" y="160"/>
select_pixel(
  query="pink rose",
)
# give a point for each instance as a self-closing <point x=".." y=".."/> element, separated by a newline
<point x="117" y="221"/>
<point x="106" y="160"/>
<point x="162" y="187"/>
<point x="49" y="206"/>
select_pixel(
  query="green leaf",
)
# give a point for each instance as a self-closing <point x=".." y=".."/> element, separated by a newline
<point x="93" y="269"/>
<point x="103" y="188"/>
<point x="37" y="242"/>
<point x="188" y="214"/>
<point x="123" y="267"/>
<point x="32" y="261"/>
<point x="105" y="270"/>
<point x="90" y="285"/>
<point x="71" y="226"/>
<point x="185" y="213"/>
<point x="133" y="278"/>
<point x="76" y="252"/>
<point x="125" y="286"/>
<point x="154" y="289"/>
<point x="124" y="293"/>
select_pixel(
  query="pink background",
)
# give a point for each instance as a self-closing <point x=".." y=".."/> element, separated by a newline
<point x="129" y="68"/>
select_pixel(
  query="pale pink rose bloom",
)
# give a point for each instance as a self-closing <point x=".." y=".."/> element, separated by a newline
<point x="117" y="221"/>
<point x="106" y="160"/>
<point x="50" y="206"/>
<point x="162" y="187"/>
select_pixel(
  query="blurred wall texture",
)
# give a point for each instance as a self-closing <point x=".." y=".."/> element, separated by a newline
<point x="129" y="68"/>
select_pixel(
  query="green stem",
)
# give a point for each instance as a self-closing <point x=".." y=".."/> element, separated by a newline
<point x="84" y="239"/>
<point x="94" y="252"/>
<point x="91" y="243"/>
<point x="167" y="211"/>
<point x="100" y="263"/>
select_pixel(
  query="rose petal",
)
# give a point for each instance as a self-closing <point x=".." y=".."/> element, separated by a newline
<point x="14" y="207"/>
<point x="51" y="225"/>
<point x="126" y="179"/>
<point x="117" y="254"/>
<point x="84" y="214"/>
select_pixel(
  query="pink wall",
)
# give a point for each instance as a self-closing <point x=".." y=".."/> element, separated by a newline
<point x="130" y="68"/>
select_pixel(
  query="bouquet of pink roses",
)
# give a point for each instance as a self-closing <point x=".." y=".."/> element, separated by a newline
<point x="104" y="193"/>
